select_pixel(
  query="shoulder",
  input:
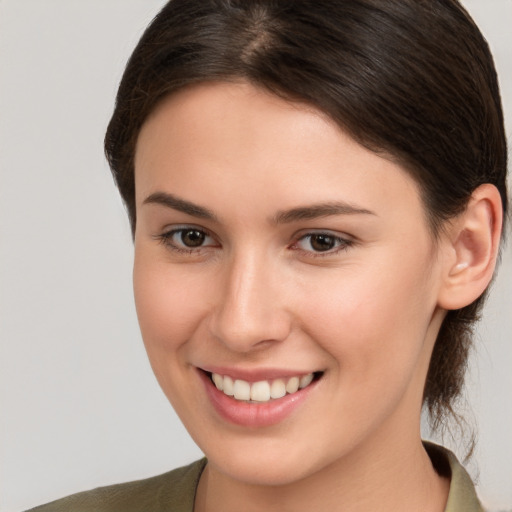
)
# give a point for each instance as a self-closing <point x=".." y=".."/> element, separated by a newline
<point x="172" y="491"/>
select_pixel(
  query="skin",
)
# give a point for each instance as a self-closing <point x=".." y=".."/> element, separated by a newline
<point x="257" y="295"/>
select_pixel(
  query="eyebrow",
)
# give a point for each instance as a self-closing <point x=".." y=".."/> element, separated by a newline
<point x="316" y="211"/>
<point x="180" y="205"/>
<point x="282" y="217"/>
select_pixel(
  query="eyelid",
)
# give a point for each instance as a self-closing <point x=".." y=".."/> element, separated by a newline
<point x="328" y="232"/>
<point x="343" y="240"/>
<point x="165" y="238"/>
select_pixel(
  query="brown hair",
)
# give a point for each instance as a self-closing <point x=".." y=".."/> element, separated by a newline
<point x="413" y="79"/>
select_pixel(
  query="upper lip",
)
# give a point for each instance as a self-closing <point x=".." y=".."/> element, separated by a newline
<point x="256" y="374"/>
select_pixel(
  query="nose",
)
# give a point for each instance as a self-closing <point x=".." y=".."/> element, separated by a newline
<point x="250" y="312"/>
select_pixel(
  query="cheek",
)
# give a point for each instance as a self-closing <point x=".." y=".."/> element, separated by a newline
<point x="372" y="320"/>
<point x="375" y="337"/>
<point x="169" y="312"/>
<point x="168" y="305"/>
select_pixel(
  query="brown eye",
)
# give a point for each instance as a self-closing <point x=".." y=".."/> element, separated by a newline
<point x="188" y="239"/>
<point x="192" y="237"/>
<point x="322" y="242"/>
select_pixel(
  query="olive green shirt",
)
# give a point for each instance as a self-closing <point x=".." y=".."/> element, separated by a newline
<point x="175" y="491"/>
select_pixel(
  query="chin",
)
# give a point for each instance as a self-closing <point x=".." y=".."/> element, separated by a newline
<point x="261" y="471"/>
<point x="262" y="461"/>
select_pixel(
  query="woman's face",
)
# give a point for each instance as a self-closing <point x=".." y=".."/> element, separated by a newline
<point x="271" y="248"/>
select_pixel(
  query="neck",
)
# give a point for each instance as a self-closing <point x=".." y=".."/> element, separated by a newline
<point x="386" y="477"/>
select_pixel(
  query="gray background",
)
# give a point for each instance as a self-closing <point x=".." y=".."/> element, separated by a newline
<point x="79" y="404"/>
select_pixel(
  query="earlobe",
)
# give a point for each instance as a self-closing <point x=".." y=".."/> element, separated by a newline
<point x="474" y="240"/>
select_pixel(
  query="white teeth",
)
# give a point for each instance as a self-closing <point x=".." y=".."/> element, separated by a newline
<point x="305" y="380"/>
<point x="292" y="385"/>
<point x="242" y="390"/>
<point x="218" y="381"/>
<point x="227" y="386"/>
<point x="278" y="389"/>
<point x="261" y="391"/>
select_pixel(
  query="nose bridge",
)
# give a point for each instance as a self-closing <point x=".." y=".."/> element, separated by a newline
<point x="249" y="311"/>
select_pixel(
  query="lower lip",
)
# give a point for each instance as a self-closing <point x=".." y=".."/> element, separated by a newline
<point x="254" y="415"/>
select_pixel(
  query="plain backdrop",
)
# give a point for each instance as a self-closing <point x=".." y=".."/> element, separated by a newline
<point x="79" y="405"/>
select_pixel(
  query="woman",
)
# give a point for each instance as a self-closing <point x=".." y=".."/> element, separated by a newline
<point x="317" y="193"/>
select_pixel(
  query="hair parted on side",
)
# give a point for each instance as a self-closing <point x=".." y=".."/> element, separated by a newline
<point x="412" y="79"/>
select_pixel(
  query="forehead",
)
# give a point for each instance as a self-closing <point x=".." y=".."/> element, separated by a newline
<point x="236" y="138"/>
<point x="226" y="105"/>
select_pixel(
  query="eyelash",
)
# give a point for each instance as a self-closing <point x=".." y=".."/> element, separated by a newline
<point x="341" y="244"/>
<point x="166" y="239"/>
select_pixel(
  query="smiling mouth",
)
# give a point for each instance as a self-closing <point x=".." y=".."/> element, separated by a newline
<point x="263" y="391"/>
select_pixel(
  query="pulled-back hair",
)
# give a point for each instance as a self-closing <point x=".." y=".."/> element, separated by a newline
<point x="411" y="79"/>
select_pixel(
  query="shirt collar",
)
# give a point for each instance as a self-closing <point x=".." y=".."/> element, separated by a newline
<point x="462" y="496"/>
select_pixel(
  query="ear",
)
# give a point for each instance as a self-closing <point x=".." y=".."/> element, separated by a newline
<point x="473" y="241"/>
